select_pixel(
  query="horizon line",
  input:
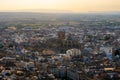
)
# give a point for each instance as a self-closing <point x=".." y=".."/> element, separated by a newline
<point x="60" y="12"/>
<point x="56" y="11"/>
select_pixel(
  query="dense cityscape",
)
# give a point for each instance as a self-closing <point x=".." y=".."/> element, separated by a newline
<point x="59" y="46"/>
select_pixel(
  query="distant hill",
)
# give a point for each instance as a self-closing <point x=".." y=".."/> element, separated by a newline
<point x="22" y="19"/>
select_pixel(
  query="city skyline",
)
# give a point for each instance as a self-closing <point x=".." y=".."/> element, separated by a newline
<point x="60" y="5"/>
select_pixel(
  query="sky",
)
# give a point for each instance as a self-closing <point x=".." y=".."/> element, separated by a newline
<point x="62" y="5"/>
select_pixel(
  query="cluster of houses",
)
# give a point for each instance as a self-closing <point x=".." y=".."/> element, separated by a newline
<point x="60" y="53"/>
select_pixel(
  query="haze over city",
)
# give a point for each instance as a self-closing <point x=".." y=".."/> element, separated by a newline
<point x="59" y="39"/>
<point x="60" y="5"/>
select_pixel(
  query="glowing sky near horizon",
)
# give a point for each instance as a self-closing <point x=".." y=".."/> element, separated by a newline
<point x="72" y="5"/>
